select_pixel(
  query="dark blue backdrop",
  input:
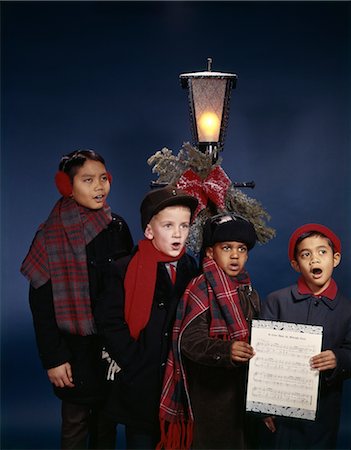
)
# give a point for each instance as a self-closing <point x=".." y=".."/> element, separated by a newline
<point x="104" y="75"/>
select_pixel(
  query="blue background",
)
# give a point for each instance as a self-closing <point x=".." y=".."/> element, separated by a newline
<point x="104" y="75"/>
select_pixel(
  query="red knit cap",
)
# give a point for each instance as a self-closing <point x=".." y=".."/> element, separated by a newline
<point x="327" y="232"/>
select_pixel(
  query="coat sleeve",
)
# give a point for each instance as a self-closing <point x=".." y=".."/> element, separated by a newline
<point x="270" y="308"/>
<point x="342" y="353"/>
<point x="343" y="357"/>
<point x="111" y="325"/>
<point x="51" y="344"/>
<point x="197" y="346"/>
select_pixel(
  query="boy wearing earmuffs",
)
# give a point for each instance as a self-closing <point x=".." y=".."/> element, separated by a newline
<point x="64" y="264"/>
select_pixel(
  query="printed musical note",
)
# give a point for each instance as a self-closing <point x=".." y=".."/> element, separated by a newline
<point x="280" y="377"/>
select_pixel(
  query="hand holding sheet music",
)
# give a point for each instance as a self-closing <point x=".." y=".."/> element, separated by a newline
<point x="281" y="380"/>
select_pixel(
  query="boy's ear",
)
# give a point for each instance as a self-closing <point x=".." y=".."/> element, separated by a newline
<point x="337" y="259"/>
<point x="209" y="252"/>
<point x="294" y="264"/>
<point x="148" y="232"/>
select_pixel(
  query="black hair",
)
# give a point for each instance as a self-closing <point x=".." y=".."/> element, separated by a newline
<point x="73" y="161"/>
<point x="310" y="234"/>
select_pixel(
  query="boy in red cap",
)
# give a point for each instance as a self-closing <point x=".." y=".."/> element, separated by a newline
<point x="139" y="309"/>
<point x="314" y="251"/>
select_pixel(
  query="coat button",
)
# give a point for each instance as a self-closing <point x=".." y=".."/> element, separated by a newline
<point x="161" y="305"/>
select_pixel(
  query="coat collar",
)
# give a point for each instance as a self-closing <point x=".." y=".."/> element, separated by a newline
<point x="329" y="296"/>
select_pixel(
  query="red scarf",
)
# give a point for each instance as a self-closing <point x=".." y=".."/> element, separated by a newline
<point x="139" y="284"/>
<point x="58" y="252"/>
<point x="218" y="293"/>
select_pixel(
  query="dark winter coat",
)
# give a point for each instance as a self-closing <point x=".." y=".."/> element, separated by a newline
<point x="134" y="396"/>
<point x="288" y="305"/>
<point x="82" y="352"/>
<point x="217" y="386"/>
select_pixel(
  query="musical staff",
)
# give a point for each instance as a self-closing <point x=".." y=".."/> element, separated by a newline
<point x="281" y="380"/>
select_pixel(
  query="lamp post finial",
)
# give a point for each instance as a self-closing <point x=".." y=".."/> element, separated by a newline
<point x="209" y="64"/>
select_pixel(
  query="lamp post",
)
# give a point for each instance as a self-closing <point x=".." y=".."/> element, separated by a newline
<point x="209" y="96"/>
<point x="196" y="168"/>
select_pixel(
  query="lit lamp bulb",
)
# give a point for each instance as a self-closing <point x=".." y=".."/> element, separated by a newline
<point x="208" y="125"/>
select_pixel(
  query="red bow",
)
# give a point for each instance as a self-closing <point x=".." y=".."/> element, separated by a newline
<point x="214" y="187"/>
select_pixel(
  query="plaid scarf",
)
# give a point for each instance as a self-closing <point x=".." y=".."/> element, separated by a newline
<point x="139" y="283"/>
<point x="217" y="292"/>
<point x="58" y="252"/>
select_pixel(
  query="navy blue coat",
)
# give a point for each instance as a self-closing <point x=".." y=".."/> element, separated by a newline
<point x="288" y="305"/>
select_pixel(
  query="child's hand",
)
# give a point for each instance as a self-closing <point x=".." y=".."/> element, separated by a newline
<point x="241" y="351"/>
<point x="61" y="376"/>
<point x="323" y="361"/>
<point x="269" y="422"/>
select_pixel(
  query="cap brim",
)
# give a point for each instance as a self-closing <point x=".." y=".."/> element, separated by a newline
<point x="181" y="200"/>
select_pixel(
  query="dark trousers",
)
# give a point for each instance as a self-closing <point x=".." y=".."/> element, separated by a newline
<point x="141" y="440"/>
<point x="83" y="427"/>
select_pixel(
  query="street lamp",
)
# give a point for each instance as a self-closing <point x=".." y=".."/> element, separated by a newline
<point x="197" y="169"/>
<point x="209" y="96"/>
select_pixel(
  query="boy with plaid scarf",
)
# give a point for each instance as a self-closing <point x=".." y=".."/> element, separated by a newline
<point x="64" y="265"/>
<point x="202" y="402"/>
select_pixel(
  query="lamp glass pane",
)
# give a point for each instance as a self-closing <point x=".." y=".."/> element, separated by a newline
<point x="208" y="97"/>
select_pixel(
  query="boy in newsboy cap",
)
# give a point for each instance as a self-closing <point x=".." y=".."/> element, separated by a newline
<point x="139" y="309"/>
<point x="314" y="251"/>
<point x="203" y="397"/>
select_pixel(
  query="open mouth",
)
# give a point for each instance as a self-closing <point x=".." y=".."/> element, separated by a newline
<point x="316" y="271"/>
<point x="99" y="197"/>
<point x="176" y="245"/>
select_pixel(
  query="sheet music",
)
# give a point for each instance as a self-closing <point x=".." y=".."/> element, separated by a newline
<point x="280" y="380"/>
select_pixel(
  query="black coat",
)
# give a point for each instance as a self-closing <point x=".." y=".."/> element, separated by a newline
<point x="288" y="305"/>
<point x="133" y="397"/>
<point x="82" y="352"/>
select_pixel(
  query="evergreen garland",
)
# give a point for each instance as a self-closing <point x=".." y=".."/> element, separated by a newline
<point x="170" y="168"/>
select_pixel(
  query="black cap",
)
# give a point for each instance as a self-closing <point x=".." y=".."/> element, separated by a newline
<point x="158" y="199"/>
<point x="227" y="227"/>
